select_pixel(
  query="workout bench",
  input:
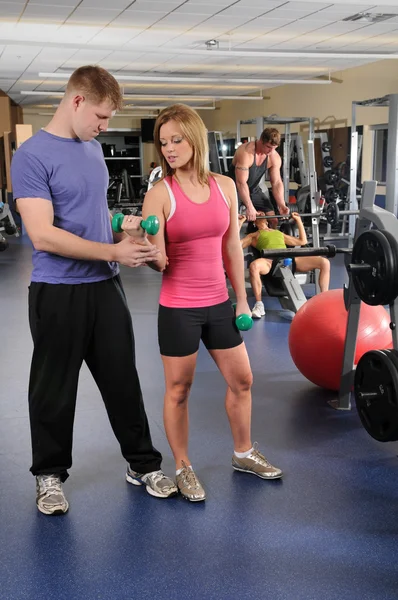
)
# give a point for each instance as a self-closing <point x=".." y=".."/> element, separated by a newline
<point x="281" y="283"/>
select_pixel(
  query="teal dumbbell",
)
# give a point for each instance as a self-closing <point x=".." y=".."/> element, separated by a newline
<point x="151" y="224"/>
<point x="243" y="322"/>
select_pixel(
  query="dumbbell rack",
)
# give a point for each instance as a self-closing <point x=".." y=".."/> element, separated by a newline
<point x="369" y="215"/>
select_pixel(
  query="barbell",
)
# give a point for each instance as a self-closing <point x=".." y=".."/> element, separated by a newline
<point x="329" y="251"/>
<point x="373" y="266"/>
<point x="332" y="214"/>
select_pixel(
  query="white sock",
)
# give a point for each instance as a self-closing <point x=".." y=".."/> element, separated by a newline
<point x="259" y="302"/>
<point x="243" y="454"/>
<point x="180" y="470"/>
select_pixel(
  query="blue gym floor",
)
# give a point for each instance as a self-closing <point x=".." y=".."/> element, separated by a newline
<point x="327" y="531"/>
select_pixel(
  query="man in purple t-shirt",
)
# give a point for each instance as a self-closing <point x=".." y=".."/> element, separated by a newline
<point x="77" y="307"/>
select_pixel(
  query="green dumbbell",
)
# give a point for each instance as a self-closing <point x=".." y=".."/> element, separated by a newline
<point x="243" y="322"/>
<point x="151" y="224"/>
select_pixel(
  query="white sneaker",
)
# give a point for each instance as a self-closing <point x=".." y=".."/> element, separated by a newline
<point x="258" y="310"/>
<point x="50" y="498"/>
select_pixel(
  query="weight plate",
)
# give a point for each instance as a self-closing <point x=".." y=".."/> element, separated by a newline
<point x="328" y="162"/>
<point x="331" y="195"/>
<point x="332" y="214"/>
<point x="376" y="394"/>
<point x="394" y="248"/>
<point x="10" y="229"/>
<point x="330" y="177"/>
<point x="326" y="147"/>
<point x="374" y="287"/>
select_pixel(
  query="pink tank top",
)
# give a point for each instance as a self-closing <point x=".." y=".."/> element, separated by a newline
<point x="195" y="275"/>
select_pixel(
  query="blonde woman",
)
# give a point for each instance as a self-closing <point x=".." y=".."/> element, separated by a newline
<point x="197" y="239"/>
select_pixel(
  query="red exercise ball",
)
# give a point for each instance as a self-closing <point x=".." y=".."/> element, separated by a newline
<point x="317" y="336"/>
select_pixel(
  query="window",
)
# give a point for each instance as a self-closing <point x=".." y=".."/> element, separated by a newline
<point x="380" y="135"/>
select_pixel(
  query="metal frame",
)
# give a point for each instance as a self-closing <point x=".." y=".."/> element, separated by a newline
<point x="391" y="102"/>
<point x="215" y="138"/>
<point x="369" y="215"/>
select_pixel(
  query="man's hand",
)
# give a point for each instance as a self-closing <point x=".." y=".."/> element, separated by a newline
<point x="132" y="254"/>
<point x="283" y="209"/>
<point x="132" y="226"/>
<point x="251" y="213"/>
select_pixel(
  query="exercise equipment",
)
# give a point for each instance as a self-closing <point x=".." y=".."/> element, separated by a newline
<point x="7" y="224"/>
<point x="281" y="283"/>
<point x="3" y="243"/>
<point x="374" y="380"/>
<point x="374" y="267"/>
<point x="332" y="214"/>
<point x="317" y="337"/>
<point x="329" y="251"/>
<point x="376" y="393"/>
<point x="150" y="225"/>
<point x="243" y="322"/>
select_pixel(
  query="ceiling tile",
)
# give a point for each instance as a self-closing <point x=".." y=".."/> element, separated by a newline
<point x="93" y="16"/>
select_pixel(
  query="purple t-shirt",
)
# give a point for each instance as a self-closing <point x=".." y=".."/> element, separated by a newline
<point x="73" y="176"/>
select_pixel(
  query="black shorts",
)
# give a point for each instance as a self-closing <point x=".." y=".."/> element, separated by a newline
<point x="181" y="329"/>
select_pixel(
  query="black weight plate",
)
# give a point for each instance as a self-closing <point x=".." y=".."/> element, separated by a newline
<point x="394" y="247"/>
<point x="376" y="395"/>
<point x="328" y="162"/>
<point x="393" y="428"/>
<point x="326" y="147"/>
<point x="374" y="287"/>
<point x="331" y="195"/>
<point x="332" y="214"/>
<point x="10" y="229"/>
<point x="330" y="177"/>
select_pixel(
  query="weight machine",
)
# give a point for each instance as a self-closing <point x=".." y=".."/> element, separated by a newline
<point x="391" y="102"/>
<point x="218" y="162"/>
<point x="372" y="266"/>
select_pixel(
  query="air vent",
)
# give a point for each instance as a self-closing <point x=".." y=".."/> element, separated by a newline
<point x="366" y="17"/>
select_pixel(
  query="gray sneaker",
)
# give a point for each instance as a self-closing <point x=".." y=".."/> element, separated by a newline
<point x="256" y="464"/>
<point x="50" y="497"/>
<point x="157" y="483"/>
<point x="189" y="485"/>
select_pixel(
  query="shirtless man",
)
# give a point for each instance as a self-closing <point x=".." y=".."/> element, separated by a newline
<point x="249" y="164"/>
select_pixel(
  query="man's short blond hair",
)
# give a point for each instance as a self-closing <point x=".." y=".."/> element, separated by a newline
<point x="97" y="85"/>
